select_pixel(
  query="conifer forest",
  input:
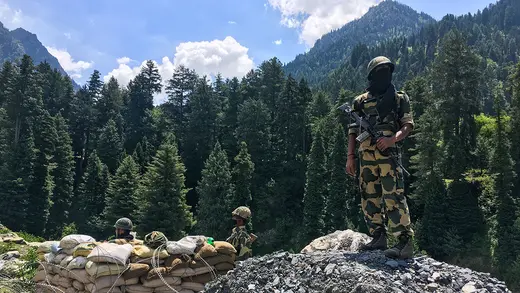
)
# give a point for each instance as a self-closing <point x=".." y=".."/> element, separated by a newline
<point x="275" y="141"/>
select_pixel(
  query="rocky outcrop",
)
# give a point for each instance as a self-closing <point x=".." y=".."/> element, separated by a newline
<point x="347" y="240"/>
<point x="331" y="264"/>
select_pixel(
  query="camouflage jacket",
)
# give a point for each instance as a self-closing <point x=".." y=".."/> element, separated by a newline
<point x="239" y="237"/>
<point x="390" y="124"/>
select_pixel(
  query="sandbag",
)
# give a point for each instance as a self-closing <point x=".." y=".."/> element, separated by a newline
<point x="41" y="276"/>
<point x="105" y="283"/>
<point x="213" y="260"/>
<point x="186" y="245"/>
<point x="97" y="270"/>
<point x="78" y="285"/>
<point x="224" y="247"/>
<point x="155" y="272"/>
<point x="205" y="251"/>
<point x="81" y="276"/>
<point x="193" y="286"/>
<point x="132" y="281"/>
<point x="77" y="263"/>
<point x="58" y="258"/>
<point x="224" y="266"/>
<point x="65" y="262"/>
<point x="138" y="289"/>
<point x="45" y="247"/>
<point x="203" y="279"/>
<point x="143" y="251"/>
<point x="71" y="241"/>
<point x="147" y="261"/>
<point x="136" y="270"/>
<point x="173" y="260"/>
<point x="67" y="251"/>
<point x="166" y="289"/>
<point x="83" y="249"/>
<point x="182" y="272"/>
<point x="159" y="282"/>
<point x="110" y="253"/>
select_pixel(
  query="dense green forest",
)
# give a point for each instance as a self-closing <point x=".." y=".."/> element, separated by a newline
<point x="80" y="160"/>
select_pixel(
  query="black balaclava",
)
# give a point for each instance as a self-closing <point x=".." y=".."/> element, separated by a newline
<point x="380" y="80"/>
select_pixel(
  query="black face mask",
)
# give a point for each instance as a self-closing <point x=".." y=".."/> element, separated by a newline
<point x="380" y="80"/>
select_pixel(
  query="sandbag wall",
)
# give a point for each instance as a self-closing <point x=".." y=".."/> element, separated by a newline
<point x="80" y="264"/>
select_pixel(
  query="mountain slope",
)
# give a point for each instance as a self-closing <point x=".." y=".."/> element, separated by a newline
<point x="387" y="20"/>
<point x="493" y="33"/>
<point x="14" y="44"/>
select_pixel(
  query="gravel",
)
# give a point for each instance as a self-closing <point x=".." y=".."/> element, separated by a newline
<point x="344" y="271"/>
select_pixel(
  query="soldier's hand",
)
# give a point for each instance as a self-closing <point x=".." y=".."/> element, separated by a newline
<point x="384" y="142"/>
<point x="351" y="166"/>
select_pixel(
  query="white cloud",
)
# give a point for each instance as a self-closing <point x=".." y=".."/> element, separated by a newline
<point x="277" y="42"/>
<point x="314" y="18"/>
<point x="10" y="17"/>
<point x="232" y="22"/>
<point x="74" y="68"/>
<point x="67" y="35"/>
<point x="124" y="60"/>
<point x="226" y="57"/>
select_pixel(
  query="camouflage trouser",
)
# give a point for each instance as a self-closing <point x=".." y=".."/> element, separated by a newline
<point x="382" y="193"/>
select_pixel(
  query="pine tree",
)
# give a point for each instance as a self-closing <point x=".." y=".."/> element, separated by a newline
<point x="315" y="192"/>
<point x="40" y="190"/>
<point x="90" y="197"/>
<point x="507" y="250"/>
<point x="122" y="194"/>
<point x="179" y="89"/>
<point x="164" y="194"/>
<point x="16" y="176"/>
<point x="231" y="119"/>
<point x="215" y="191"/>
<point x="336" y="207"/>
<point x="63" y="175"/>
<point x="141" y="93"/>
<point x="456" y="78"/>
<point x="242" y="178"/>
<point x="110" y="146"/>
<point x="6" y="81"/>
<point x="515" y="124"/>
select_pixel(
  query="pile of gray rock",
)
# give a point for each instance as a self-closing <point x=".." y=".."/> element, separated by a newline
<point x="331" y="264"/>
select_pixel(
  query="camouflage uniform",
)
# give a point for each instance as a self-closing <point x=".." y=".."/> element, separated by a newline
<point x="240" y="238"/>
<point x="380" y="180"/>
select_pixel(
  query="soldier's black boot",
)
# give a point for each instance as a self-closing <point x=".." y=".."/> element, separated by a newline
<point x="403" y="249"/>
<point x="378" y="241"/>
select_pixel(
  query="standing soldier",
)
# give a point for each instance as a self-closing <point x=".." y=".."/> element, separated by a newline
<point x="380" y="179"/>
<point x="239" y="238"/>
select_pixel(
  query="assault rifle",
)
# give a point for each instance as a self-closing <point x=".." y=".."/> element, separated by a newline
<point x="369" y="132"/>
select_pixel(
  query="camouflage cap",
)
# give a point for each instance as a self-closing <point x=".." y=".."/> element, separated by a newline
<point x="242" y="212"/>
<point x="124" y="223"/>
<point x="155" y="239"/>
<point x="380" y="60"/>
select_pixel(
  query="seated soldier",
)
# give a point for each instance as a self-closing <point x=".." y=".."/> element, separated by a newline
<point x="123" y="231"/>
<point x="239" y="238"/>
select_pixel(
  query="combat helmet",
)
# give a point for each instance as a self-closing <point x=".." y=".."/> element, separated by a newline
<point x="380" y="60"/>
<point x="124" y="223"/>
<point x="242" y="212"/>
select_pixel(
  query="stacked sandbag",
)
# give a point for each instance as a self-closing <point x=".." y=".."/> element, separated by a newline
<point x="62" y="268"/>
<point x="44" y="248"/>
<point x="92" y="267"/>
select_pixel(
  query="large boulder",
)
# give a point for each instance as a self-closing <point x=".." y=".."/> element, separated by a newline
<point x="347" y="240"/>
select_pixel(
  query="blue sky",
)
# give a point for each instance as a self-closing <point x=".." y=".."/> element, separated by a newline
<point x="84" y="35"/>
